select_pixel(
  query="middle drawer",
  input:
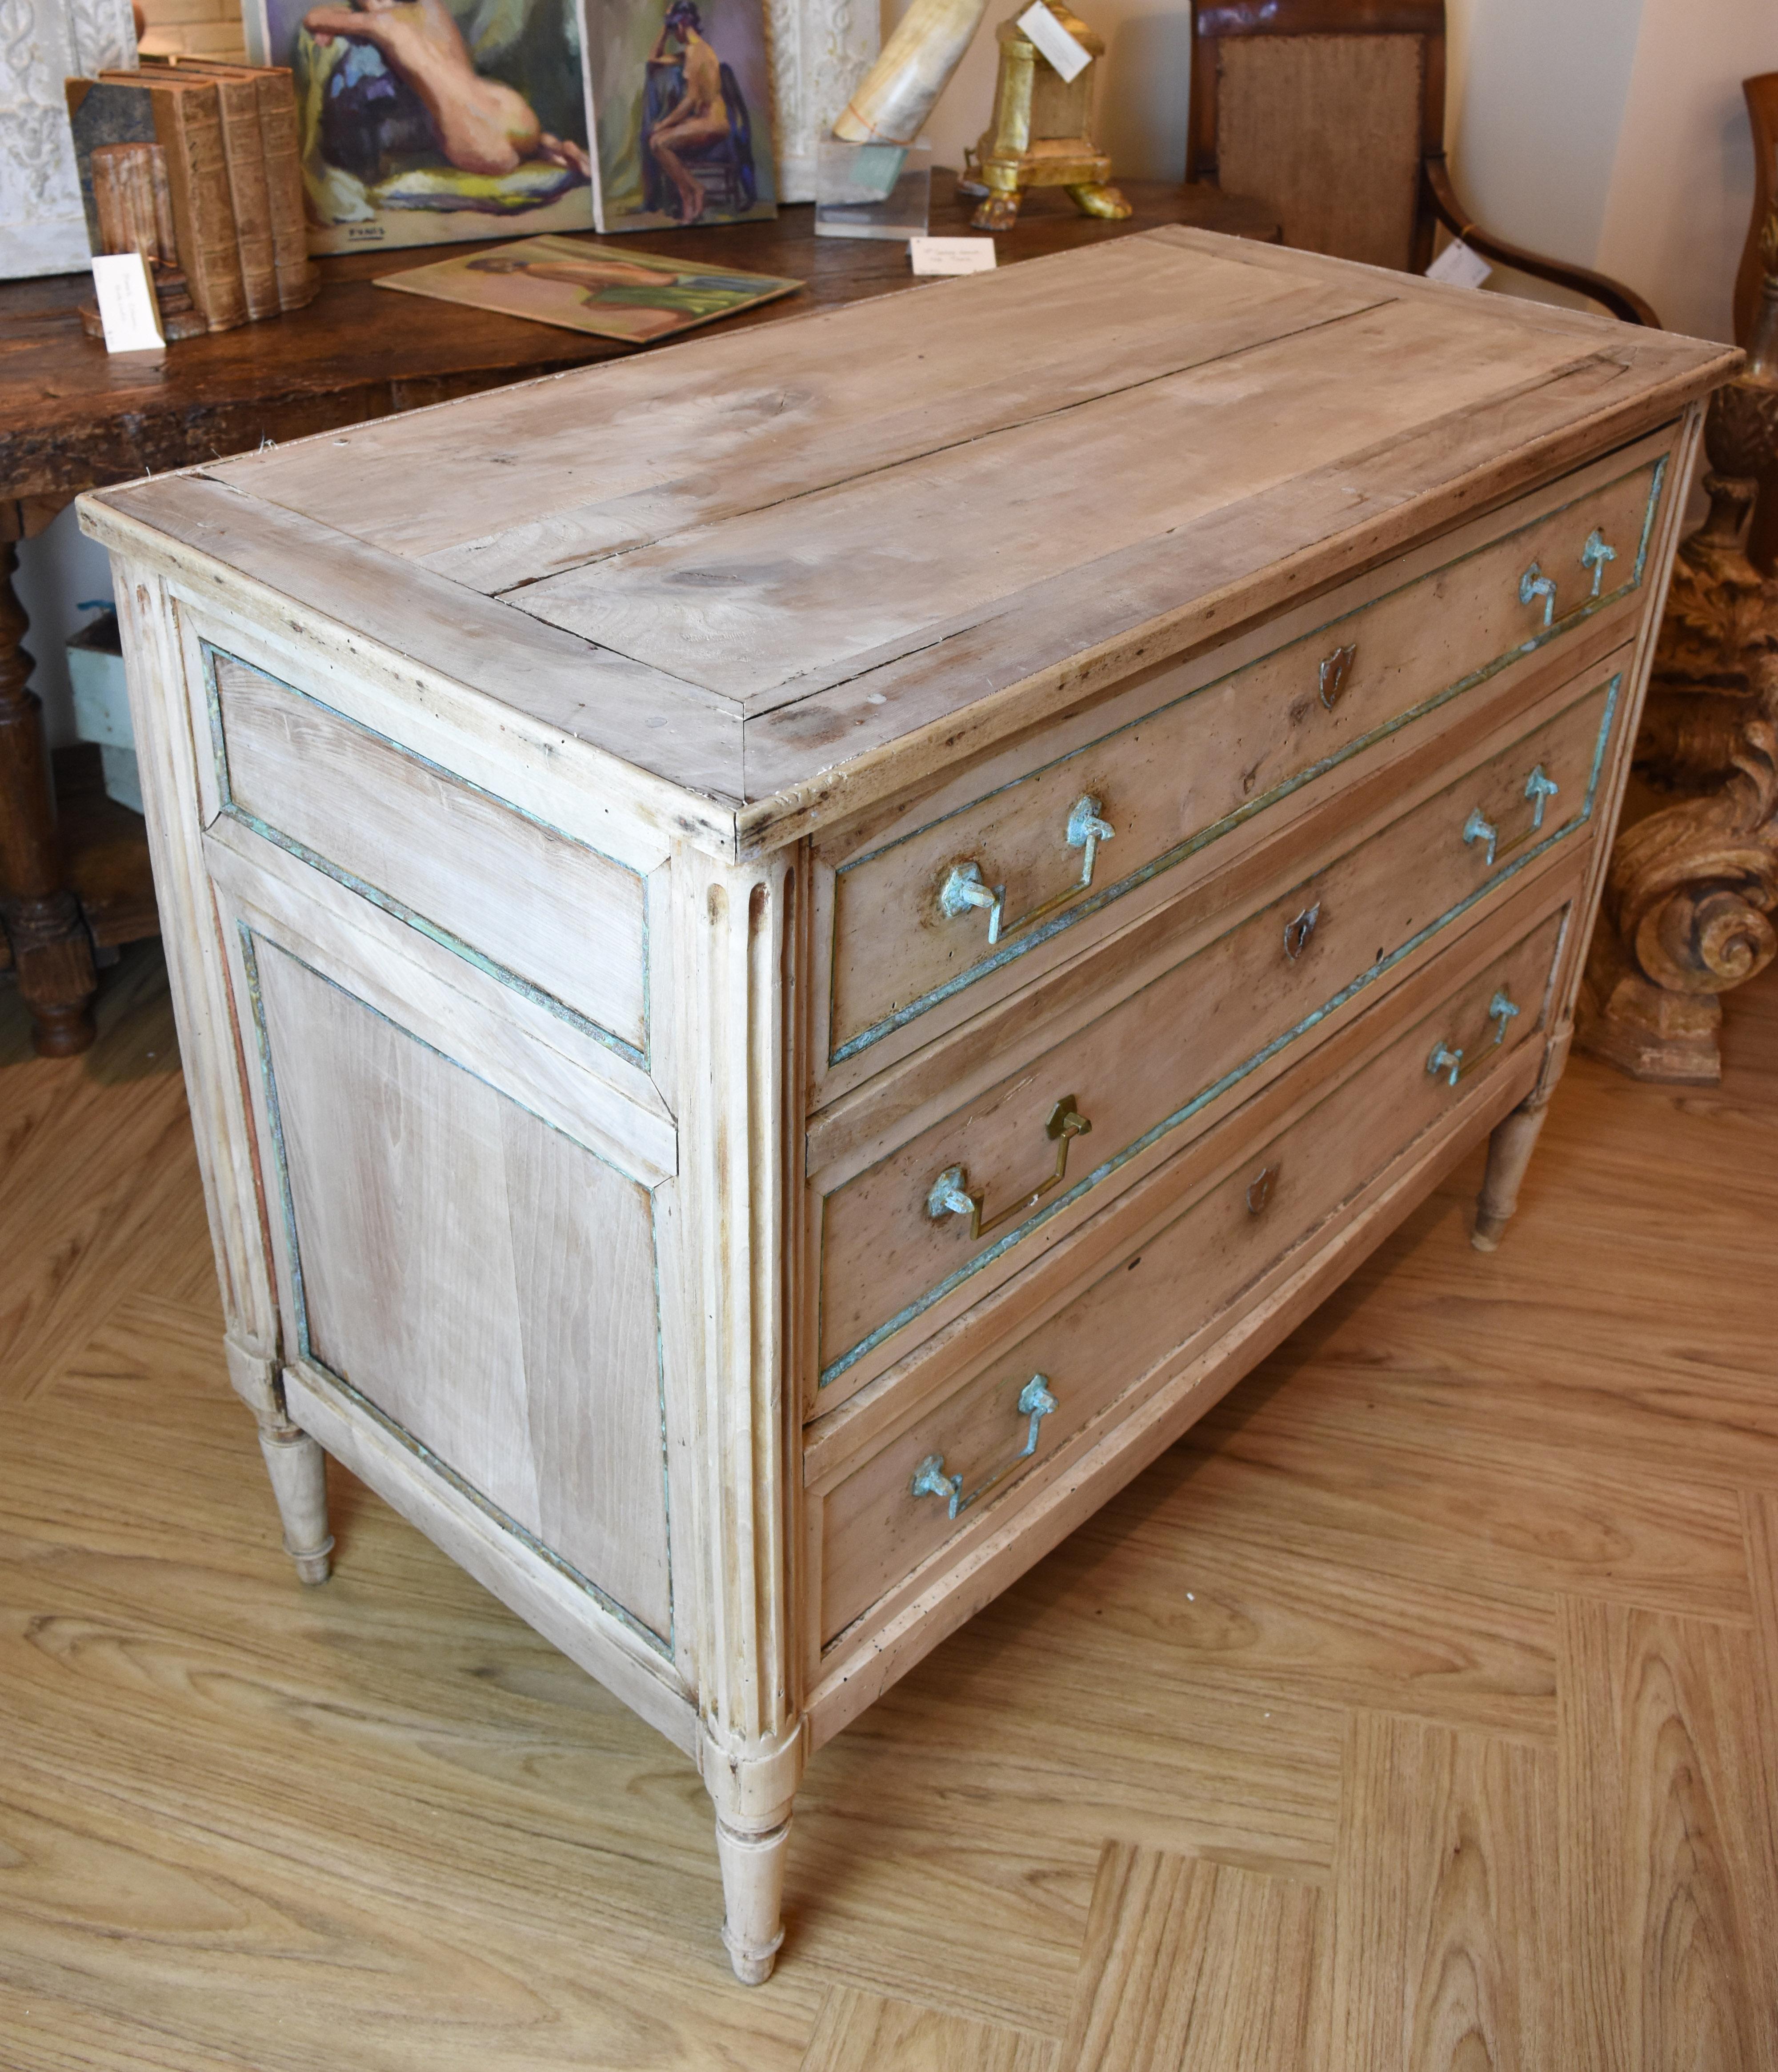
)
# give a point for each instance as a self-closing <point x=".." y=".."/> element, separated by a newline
<point x="959" y="1199"/>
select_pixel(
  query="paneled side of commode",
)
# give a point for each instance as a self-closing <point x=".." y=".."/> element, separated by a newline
<point x="551" y="916"/>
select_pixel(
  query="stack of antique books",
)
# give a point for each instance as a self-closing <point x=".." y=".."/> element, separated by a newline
<point x="194" y="162"/>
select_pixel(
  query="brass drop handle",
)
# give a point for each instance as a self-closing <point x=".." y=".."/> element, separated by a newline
<point x="1540" y="788"/>
<point x="1535" y="584"/>
<point x="951" y="1195"/>
<point x="1036" y="1403"/>
<point x="1594" y="555"/>
<point x="966" y="888"/>
<point x="1501" y="1010"/>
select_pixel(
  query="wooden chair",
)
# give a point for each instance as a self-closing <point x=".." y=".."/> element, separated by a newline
<point x="1332" y="112"/>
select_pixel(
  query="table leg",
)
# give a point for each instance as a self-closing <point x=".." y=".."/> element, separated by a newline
<point x="51" y="950"/>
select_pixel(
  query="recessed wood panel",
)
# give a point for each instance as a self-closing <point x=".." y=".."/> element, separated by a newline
<point x="482" y="1279"/>
<point x="465" y="867"/>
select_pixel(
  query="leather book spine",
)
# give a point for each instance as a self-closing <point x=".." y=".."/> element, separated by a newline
<point x="188" y="128"/>
<point x="298" y="280"/>
<point x="244" y="155"/>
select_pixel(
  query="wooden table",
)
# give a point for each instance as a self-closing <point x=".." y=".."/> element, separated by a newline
<point x="72" y="418"/>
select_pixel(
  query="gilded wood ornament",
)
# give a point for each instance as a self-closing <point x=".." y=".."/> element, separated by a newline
<point x="1692" y="884"/>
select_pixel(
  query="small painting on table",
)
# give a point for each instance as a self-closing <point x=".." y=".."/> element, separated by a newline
<point x="431" y="121"/>
<point x="636" y="296"/>
<point x="684" y="96"/>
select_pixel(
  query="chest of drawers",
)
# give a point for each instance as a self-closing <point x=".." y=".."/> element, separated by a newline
<point x="791" y="954"/>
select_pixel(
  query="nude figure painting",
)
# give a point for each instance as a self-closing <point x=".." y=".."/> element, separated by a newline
<point x="427" y="121"/>
<point x="683" y="92"/>
<point x="637" y="296"/>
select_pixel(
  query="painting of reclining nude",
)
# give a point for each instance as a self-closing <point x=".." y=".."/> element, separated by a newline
<point x="683" y="92"/>
<point x="430" y="122"/>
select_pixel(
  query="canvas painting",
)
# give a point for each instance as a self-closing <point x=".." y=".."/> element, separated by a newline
<point x="608" y="289"/>
<point x="682" y="92"/>
<point x="431" y="121"/>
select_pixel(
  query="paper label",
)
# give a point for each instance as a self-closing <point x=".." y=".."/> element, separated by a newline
<point x="1053" y="40"/>
<point x="951" y="255"/>
<point x="127" y="308"/>
<point x="1458" y="266"/>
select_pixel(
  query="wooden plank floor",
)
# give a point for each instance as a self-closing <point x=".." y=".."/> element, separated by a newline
<point x="1453" y="1746"/>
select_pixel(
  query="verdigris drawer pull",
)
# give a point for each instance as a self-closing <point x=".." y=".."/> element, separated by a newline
<point x="950" y="1196"/>
<point x="1500" y="1011"/>
<point x="965" y="888"/>
<point x="930" y="1479"/>
<point x="1540" y="788"/>
<point x="1297" y="932"/>
<point x="1334" y="670"/>
<point x="1535" y="584"/>
<point x="1594" y="555"/>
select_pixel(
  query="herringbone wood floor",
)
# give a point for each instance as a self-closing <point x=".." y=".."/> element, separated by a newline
<point x="1454" y="1751"/>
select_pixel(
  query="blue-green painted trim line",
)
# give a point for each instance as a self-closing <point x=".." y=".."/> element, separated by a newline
<point x="249" y="954"/>
<point x="1232" y="1078"/>
<point x="434" y="933"/>
<point x="489" y="1509"/>
<point x="364" y="890"/>
<point x="298" y="1302"/>
<point x="1170" y="858"/>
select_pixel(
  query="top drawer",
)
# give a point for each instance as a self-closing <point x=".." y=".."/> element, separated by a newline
<point x="521" y="900"/>
<point x="934" y="911"/>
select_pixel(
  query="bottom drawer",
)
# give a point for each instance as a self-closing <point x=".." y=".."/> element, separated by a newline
<point x="981" y="1445"/>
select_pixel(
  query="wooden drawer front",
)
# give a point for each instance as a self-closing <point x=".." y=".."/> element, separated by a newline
<point x="562" y="922"/>
<point x="877" y="1531"/>
<point x="890" y="1246"/>
<point x="1168" y="784"/>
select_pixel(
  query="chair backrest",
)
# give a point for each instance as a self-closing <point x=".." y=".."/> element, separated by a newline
<point x="1326" y="110"/>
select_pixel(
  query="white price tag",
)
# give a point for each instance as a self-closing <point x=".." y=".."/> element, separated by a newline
<point x="951" y="255"/>
<point x="127" y="308"/>
<point x="1053" y="40"/>
<point x="1460" y="266"/>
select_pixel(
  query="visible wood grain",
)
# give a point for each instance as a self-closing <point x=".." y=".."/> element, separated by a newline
<point x="861" y="2032"/>
<point x="1267" y="727"/>
<point x="822" y="414"/>
<point x="776" y="624"/>
<point x="1232" y="1009"/>
<point x="1149" y="1304"/>
<point x="556" y="912"/>
<point x="1668" y="1876"/>
<point x="1197" y="1965"/>
<point x="1443" y="1903"/>
<point x="75" y="416"/>
<point x="485" y="1282"/>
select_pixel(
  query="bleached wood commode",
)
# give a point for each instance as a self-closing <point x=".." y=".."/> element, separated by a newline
<point x="793" y="952"/>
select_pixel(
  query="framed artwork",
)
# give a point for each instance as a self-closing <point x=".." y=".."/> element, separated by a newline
<point x="608" y="290"/>
<point x="432" y="122"/>
<point x="683" y="94"/>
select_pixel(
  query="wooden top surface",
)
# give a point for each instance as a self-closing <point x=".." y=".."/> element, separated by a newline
<point x="789" y="570"/>
<point x="73" y="416"/>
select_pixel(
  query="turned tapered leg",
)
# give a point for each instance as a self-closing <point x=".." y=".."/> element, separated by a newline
<point x="51" y="950"/>
<point x="753" y="1893"/>
<point x="298" y="1470"/>
<point x="1509" y="1151"/>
